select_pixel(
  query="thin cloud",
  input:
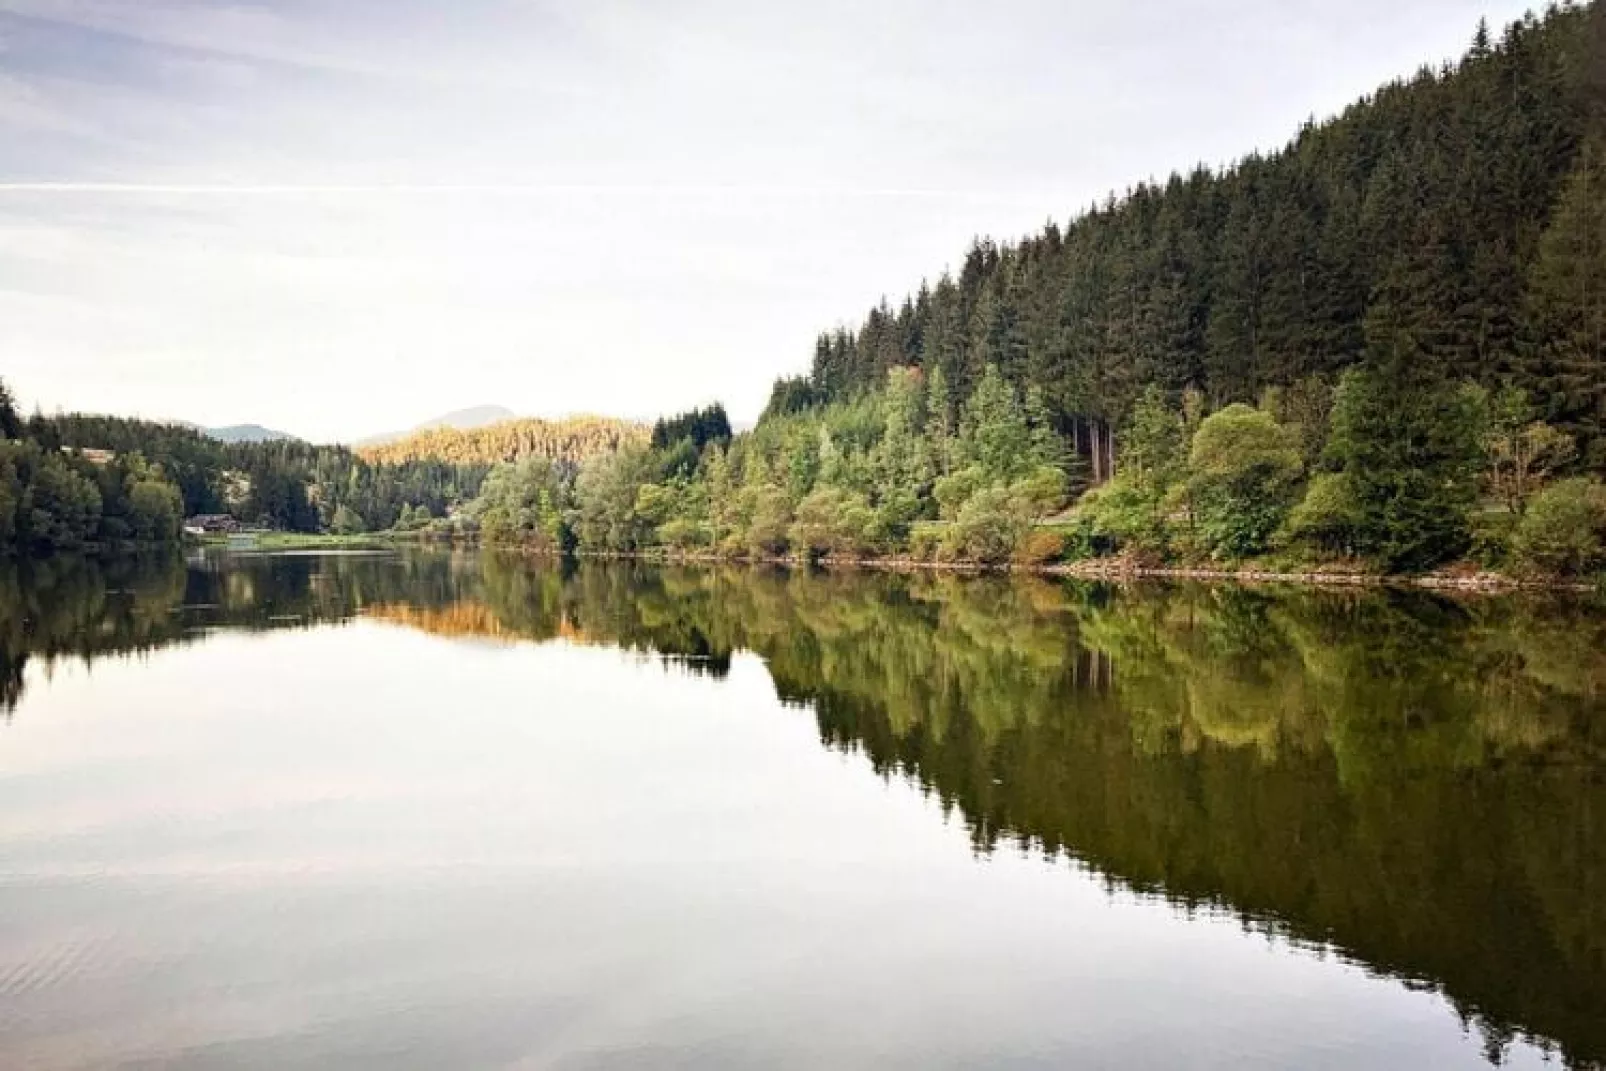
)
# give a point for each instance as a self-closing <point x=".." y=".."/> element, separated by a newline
<point x="502" y="190"/>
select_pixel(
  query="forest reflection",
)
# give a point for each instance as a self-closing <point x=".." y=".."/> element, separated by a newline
<point x="1415" y="782"/>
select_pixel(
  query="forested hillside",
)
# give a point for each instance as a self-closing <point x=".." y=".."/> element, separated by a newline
<point x="1457" y="216"/>
<point x="285" y="484"/>
<point x="571" y="440"/>
<point x="1384" y="344"/>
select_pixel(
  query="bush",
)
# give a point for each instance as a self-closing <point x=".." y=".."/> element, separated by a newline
<point x="348" y="521"/>
<point x="1122" y="514"/>
<point x="1241" y="473"/>
<point x="1492" y="533"/>
<point x="831" y="521"/>
<point x="767" y="533"/>
<point x="1039" y="547"/>
<point x="1564" y="530"/>
<point x="952" y="492"/>
<point x="926" y="539"/>
<point x="988" y="528"/>
<point x="684" y="534"/>
<point x="1040" y="491"/>
<point x="1328" y="517"/>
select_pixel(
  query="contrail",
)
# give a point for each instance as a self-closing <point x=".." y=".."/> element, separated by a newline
<point x="490" y="189"/>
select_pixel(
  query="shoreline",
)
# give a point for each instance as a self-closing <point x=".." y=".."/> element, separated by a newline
<point x="1096" y="569"/>
<point x="1104" y="569"/>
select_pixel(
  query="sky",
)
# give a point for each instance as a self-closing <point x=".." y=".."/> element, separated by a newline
<point x="341" y="218"/>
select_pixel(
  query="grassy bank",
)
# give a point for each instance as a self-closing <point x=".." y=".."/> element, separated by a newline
<point x="303" y="541"/>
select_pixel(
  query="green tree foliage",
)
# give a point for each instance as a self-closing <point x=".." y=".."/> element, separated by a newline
<point x="605" y="517"/>
<point x="1328" y="519"/>
<point x="156" y="510"/>
<point x="348" y="521"/>
<point x="1153" y="444"/>
<point x="54" y="499"/>
<point x="1523" y="453"/>
<point x="701" y="426"/>
<point x="1564" y="530"/>
<point x="10" y="422"/>
<point x="523" y="503"/>
<point x="993" y="433"/>
<point x="769" y="520"/>
<point x="831" y="521"/>
<point x="1567" y="307"/>
<point x="1411" y="452"/>
<point x="1242" y="472"/>
<point x="1132" y="511"/>
<point x="793" y="395"/>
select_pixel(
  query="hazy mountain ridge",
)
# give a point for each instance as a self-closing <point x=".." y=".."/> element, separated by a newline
<point x="246" y="433"/>
<point x="478" y="416"/>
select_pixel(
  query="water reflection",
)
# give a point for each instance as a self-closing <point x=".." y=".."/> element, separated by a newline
<point x="1413" y="780"/>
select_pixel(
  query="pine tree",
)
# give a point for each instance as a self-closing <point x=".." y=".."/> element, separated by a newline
<point x="1411" y="451"/>
<point x="993" y="433"/>
<point x="939" y="421"/>
<point x="10" y="422"/>
<point x="1567" y="308"/>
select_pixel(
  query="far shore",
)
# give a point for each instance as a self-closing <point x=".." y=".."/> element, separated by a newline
<point x="1107" y="569"/>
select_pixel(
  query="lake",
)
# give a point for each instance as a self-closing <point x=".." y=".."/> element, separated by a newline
<point x="427" y="810"/>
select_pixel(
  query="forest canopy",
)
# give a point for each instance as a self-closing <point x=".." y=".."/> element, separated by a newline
<point x="570" y="440"/>
<point x="56" y="498"/>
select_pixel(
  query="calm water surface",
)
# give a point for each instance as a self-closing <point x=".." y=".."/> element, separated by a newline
<point x="461" y="811"/>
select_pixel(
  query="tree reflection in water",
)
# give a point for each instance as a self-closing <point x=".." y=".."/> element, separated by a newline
<point x="1415" y="781"/>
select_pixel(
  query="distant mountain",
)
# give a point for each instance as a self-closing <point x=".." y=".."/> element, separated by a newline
<point x="245" y="433"/>
<point x="478" y="416"/>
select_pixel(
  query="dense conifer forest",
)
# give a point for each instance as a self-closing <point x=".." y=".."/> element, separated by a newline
<point x="1454" y="218"/>
<point x="54" y="499"/>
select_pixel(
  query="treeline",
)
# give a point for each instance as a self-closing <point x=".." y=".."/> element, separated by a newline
<point x="1383" y="470"/>
<point x="859" y="477"/>
<point x="699" y="427"/>
<point x="285" y="484"/>
<point x="53" y="499"/>
<point x="568" y="441"/>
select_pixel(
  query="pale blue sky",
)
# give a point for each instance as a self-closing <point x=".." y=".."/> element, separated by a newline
<point x="338" y="218"/>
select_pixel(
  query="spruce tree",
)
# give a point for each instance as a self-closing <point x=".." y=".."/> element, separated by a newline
<point x="1567" y="308"/>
